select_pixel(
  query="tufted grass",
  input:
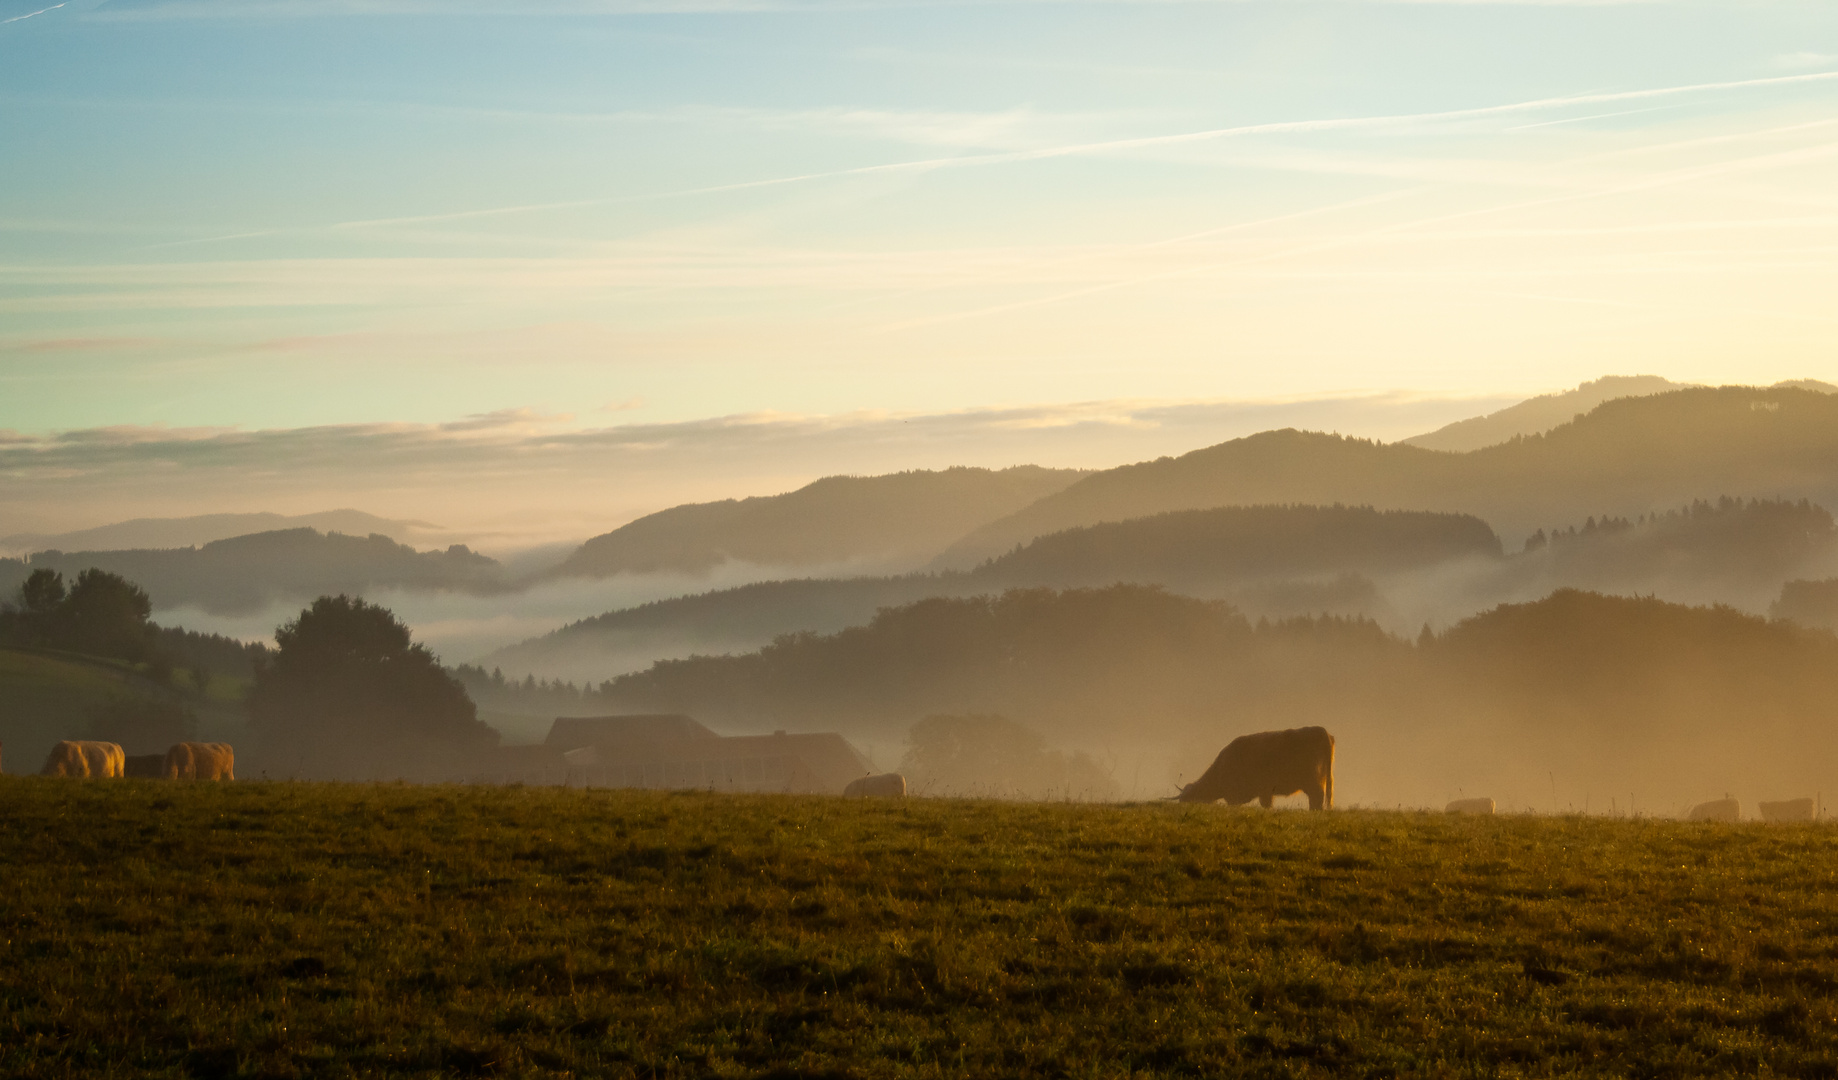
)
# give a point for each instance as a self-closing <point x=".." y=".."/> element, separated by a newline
<point x="256" y="929"/>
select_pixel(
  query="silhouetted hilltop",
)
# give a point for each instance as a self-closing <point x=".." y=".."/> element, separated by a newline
<point x="1203" y="548"/>
<point x="1200" y="550"/>
<point x="1538" y="414"/>
<point x="1589" y="695"/>
<point x="1402" y="567"/>
<point x="246" y="572"/>
<point x="163" y="533"/>
<point x="722" y="621"/>
<point x="1627" y="457"/>
<point x="902" y="518"/>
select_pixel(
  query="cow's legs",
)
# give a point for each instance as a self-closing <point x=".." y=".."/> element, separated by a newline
<point x="1316" y="797"/>
<point x="1327" y="792"/>
<point x="1266" y="800"/>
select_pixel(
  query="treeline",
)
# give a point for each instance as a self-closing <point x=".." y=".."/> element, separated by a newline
<point x="532" y="696"/>
<point x="901" y="517"/>
<point x="246" y="573"/>
<point x="1614" y="693"/>
<point x="105" y="615"/>
<point x="1279" y="560"/>
<point x="1772" y="532"/>
<point x="1624" y="457"/>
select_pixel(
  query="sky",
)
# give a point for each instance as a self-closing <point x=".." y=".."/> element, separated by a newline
<point x="530" y="269"/>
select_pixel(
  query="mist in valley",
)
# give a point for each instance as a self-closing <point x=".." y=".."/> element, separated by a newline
<point x="1601" y="659"/>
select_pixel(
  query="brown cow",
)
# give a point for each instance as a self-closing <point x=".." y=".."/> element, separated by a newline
<point x="1268" y="764"/>
<point x="201" y="761"/>
<point x="885" y="786"/>
<point x="85" y="758"/>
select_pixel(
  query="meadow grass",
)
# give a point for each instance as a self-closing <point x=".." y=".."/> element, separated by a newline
<point x="282" y="929"/>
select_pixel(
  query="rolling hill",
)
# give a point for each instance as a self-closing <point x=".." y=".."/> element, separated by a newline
<point x="1627" y="457"/>
<point x="244" y="573"/>
<point x="158" y="533"/>
<point x="1401" y="567"/>
<point x="1604" y="694"/>
<point x="1207" y="551"/>
<point x="1539" y="414"/>
<point x="898" y="521"/>
<point x="47" y="696"/>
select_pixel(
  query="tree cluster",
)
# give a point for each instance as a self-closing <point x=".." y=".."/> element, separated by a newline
<point x="347" y="694"/>
<point x="98" y="614"/>
<point x="531" y="695"/>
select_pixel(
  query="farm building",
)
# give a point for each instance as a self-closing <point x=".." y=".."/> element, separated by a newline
<point x="674" y="751"/>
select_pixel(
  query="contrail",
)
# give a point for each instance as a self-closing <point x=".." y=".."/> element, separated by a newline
<point x="29" y="14"/>
<point x="1274" y="128"/>
<point x="1076" y="149"/>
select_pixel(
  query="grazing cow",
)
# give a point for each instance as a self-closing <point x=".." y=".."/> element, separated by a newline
<point x="885" y="786"/>
<point x="85" y="758"/>
<point x="1470" y="806"/>
<point x="1716" y="810"/>
<point x="201" y="761"/>
<point x="145" y="766"/>
<point x="1788" y="810"/>
<point x="1268" y="764"/>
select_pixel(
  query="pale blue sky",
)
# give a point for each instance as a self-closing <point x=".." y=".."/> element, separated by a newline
<point x="266" y="214"/>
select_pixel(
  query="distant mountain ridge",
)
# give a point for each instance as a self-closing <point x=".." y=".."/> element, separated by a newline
<point x="1536" y="415"/>
<point x="1209" y="551"/>
<point x="900" y="520"/>
<point x="154" y="533"/>
<point x="1267" y="561"/>
<point x="244" y="573"/>
<point x="1626" y="457"/>
<point x="1539" y="414"/>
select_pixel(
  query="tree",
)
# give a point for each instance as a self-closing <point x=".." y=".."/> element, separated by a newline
<point x="42" y="591"/>
<point x="101" y="614"/>
<point x="348" y="694"/>
<point x="106" y="615"/>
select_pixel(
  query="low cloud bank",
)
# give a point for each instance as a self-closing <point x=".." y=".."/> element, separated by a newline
<point x="510" y="480"/>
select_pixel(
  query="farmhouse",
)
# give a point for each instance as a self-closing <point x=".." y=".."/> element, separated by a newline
<point x="674" y="751"/>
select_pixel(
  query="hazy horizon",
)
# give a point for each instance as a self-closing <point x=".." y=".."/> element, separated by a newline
<point x="348" y="239"/>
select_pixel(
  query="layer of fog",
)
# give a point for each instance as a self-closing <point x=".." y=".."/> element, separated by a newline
<point x="463" y="628"/>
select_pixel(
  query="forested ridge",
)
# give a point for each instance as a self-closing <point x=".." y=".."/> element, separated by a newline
<point x="1626" y="457"/>
<point x="1663" y="696"/>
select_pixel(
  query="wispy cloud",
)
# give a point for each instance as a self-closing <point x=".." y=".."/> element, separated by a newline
<point x="1105" y="147"/>
<point x="525" y="465"/>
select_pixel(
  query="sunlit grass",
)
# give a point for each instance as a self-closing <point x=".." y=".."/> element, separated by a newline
<point x="294" y="929"/>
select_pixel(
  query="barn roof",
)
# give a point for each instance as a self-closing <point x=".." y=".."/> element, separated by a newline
<point x="574" y="732"/>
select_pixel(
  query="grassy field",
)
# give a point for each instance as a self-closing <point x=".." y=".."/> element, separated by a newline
<point x="46" y="696"/>
<point x="258" y="929"/>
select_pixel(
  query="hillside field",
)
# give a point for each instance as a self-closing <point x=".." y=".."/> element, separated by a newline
<point x="46" y="696"/>
<point x="271" y="929"/>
